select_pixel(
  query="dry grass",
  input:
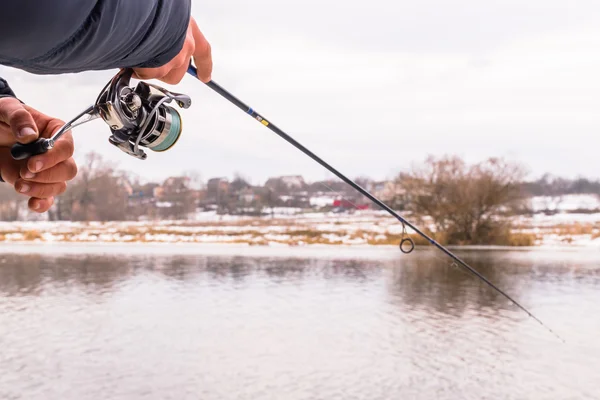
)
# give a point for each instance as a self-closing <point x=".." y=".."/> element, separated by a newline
<point x="291" y="232"/>
<point x="255" y="222"/>
<point x="573" y="229"/>
<point x="395" y="240"/>
<point x="522" y="239"/>
<point x="30" y="236"/>
<point x="311" y="233"/>
<point x="11" y="232"/>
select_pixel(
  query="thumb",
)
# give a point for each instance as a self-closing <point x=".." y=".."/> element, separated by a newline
<point x="14" y="114"/>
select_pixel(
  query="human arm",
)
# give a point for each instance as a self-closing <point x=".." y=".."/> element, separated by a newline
<point x="5" y="89"/>
<point x="155" y="37"/>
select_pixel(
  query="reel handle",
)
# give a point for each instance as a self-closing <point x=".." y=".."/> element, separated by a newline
<point x="23" y="151"/>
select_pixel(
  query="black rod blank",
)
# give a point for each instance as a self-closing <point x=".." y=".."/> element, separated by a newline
<point x="250" y="111"/>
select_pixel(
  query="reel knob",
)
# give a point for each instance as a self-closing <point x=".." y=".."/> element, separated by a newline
<point x="133" y="102"/>
<point x="24" y="151"/>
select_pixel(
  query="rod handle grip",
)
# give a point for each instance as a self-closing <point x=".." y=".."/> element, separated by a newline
<point x="23" y="151"/>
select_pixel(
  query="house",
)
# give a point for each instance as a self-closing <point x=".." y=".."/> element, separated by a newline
<point x="322" y="201"/>
<point x="286" y="183"/>
<point x="347" y="204"/>
<point x="142" y="194"/>
<point x="248" y="195"/>
<point x="178" y="184"/>
<point x="216" y="190"/>
<point x="388" y="190"/>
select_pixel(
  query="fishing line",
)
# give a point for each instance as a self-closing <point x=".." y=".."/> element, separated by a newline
<point x="250" y="111"/>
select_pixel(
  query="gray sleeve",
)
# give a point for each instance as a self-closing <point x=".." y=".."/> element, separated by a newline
<point x="5" y="90"/>
<point x="69" y="36"/>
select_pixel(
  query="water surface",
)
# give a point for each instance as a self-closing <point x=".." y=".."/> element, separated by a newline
<point x="297" y="325"/>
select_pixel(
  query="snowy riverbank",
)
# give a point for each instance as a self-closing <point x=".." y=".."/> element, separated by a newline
<point x="358" y="229"/>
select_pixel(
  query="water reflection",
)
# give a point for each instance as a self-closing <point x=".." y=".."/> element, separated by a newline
<point x="28" y="274"/>
<point x="231" y="327"/>
<point x="428" y="279"/>
<point x="431" y="281"/>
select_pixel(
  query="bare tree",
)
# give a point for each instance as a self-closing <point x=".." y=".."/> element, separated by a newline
<point x="239" y="183"/>
<point x="98" y="193"/>
<point x="177" y="197"/>
<point x="467" y="203"/>
<point x="269" y="199"/>
<point x="11" y="203"/>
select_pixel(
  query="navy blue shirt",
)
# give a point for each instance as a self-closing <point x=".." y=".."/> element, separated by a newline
<point x="69" y="36"/>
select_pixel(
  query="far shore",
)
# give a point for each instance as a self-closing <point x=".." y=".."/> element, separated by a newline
<point x="360" y="230"/>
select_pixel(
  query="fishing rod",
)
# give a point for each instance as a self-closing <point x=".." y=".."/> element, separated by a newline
<point x="407" y="244"/>
<point x="141" y="118"/>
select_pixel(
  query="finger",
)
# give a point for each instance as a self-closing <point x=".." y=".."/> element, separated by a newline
<point x="40" y="190"/>
<point x="151" y="73"/>
<point x="9" y="170"/>
<point x="62" y="172"/>
<point x="40" y="205"/>
<point x="21" y="123"/>
<point x="7" y="137"/>
<point x="202" y="54"/>
<point x="63" y="150"/>
<point x="177" y="74"/>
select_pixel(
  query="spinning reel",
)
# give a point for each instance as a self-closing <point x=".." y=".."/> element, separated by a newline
<point x="137" y="117"/>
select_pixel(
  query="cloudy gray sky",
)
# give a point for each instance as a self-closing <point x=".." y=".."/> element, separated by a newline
<point x="373" y="87"/>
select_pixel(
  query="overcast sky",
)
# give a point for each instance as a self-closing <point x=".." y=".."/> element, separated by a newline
<point x="373" y="87"/>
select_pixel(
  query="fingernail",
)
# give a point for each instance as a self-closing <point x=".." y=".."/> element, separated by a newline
<point x="24" y="188"/>
<point x="36" y="206"/>
<point x="38" y="166"/>
<point x="28" y="175"/>
<point x="27" y="131"/>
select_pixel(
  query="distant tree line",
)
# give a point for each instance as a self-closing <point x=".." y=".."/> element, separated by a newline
<point x="459" y="202"/>
<point x="549" y="185"/>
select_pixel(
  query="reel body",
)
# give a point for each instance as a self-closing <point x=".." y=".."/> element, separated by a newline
<point x="137" y="117"/>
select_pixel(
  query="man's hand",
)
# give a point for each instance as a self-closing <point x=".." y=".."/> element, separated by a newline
<point x="41" y="177"/>
<point x="195" y="46"/>
<point x="16" y="124"/>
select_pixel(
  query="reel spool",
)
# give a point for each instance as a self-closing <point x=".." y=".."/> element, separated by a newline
<point x="137" y="117"/>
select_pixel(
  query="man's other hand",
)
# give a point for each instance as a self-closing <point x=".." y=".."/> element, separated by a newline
<point x="195" y="46"/>
<point x="40" y="177"/>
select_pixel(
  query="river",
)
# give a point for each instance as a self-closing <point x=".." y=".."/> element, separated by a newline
<point x="139" y="323"/>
